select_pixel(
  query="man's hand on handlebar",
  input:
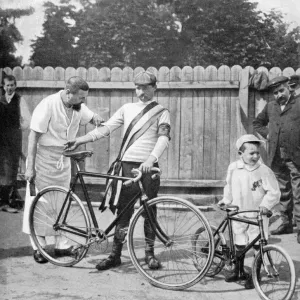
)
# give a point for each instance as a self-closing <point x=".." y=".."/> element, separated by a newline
<point x="71" y="145"/>
<point x="264" y="211"/>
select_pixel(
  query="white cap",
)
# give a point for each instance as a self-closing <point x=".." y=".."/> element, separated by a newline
<point x="246" y="138"/>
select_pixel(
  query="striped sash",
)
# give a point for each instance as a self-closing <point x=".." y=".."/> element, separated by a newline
<point x="138" y="126"/>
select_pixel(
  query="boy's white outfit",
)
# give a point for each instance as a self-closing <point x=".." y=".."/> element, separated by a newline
<point x="250" y="187"/>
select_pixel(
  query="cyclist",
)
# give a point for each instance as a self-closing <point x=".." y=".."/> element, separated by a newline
<point x="250" y="185"/>
<point x="146" y="135"/>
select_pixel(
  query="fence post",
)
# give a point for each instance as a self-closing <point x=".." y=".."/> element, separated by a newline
<point x="244" y="98"/>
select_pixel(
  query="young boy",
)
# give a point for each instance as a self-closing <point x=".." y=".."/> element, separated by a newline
<point x="251" y="185"/>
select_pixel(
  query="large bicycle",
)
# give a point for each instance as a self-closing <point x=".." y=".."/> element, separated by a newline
<point x="60" y="215"/>
<point x="273" y="270"/>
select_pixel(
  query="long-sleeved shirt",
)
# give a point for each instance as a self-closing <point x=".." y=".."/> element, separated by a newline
<point x="251" y="187"/>
<point x="149" y="143"/>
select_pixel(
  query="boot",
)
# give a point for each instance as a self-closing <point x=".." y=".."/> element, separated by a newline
<point x="249" y="285"/>
<point x="238" y="272"/>
<point x="114" y="259"/>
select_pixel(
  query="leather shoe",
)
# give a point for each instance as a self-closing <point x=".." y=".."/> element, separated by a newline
<point x="152" y="262"/>
<point x="39" y="258"/>
<point x="107" y="263"/>
<point x="249" y="285"/>
<point x="8" y="209"/>
<point x="283" y="229"/>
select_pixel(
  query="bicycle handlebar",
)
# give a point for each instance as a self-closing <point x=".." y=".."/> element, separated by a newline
<point x="139" y="176"/>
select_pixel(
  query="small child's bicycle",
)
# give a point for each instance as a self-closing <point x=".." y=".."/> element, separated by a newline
<point x="273" y="271"/>
<point x="59" y="214"/>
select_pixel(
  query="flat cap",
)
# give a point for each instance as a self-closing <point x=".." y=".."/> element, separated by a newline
<point x="275" y="82"/>
<point x="144" y="78"/>
<point x="247" y="138"/>
<point x="294" y="80"/>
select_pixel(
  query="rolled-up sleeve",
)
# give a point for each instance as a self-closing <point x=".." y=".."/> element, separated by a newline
<point x="86" y="114"/>
<point x="41" y="117"/>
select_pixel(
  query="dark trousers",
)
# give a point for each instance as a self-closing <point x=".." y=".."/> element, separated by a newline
<point x="10" y="152"/>
<point x="288" y="177"/>
<point x="151" y="188"/>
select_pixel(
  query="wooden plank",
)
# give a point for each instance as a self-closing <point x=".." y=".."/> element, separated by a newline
<point x="186" y="129"/>
<point x="223" y="126"/>
<point x="210" y="127"/>
<point x="18" y="73"/>
<point x="244" y="97"/>
<point x="288" y="72"/>
<point x="163" y="75"/>
<point x="82" y="72"/>
<point x="198" y="126"/>
<point x="98" y="104"/>
<point x="115" y="104"/>
<point x="130" y="85"/>
<point x="188" y="183"/>
<point x="59" y="74"/>
<point x="174" y="106"/>
<point x="235" y="122"/>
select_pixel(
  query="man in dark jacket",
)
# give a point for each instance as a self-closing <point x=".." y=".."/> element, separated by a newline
<point x="279" y="123"/>
<point x="14" y="116"/>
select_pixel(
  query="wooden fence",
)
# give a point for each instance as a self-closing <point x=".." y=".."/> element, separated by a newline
<point x="209" y="109"/>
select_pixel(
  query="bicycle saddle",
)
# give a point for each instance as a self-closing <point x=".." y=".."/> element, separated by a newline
<point x="79" y="155"/>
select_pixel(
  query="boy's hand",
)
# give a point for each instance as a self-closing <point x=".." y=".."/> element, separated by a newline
<point x="97" y="120"/>
<point x="221" y="203"/>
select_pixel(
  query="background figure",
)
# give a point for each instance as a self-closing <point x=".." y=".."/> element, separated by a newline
<point x="55" y="120"/>
<point x="14" y="117"/>
<point x="294" y="84"/>
<point x="279" y="122"/>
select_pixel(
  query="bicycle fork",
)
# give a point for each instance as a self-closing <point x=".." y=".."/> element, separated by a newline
<point x="263" y="242"/>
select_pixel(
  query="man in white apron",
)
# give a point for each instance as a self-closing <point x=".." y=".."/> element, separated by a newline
<point x="55" y="120"/>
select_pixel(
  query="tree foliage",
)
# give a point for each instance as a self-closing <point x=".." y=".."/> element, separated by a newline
<point x="165" y="32"/>
<point x="9" y="35"/>
<point x="56" y="46"/>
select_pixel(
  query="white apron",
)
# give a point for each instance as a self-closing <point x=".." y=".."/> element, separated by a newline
<point x="51" y="169"/>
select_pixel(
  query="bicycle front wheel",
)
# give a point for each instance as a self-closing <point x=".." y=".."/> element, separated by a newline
<point x="276" y="280"/>
<point x="179" y="221"/>
<point x="63" y="241"/>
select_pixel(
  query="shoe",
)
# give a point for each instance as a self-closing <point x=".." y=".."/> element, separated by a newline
<point x="7" y="208"/>
<point x="283" y="229"/>
<point x="152" y="262"/>
<point x="39" y="258"/>
<point x="108" y="263"/>
<point x="65" y="252"/>
<point x="249" y="285"/>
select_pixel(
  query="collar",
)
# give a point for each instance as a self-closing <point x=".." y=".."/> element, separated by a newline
<point x="8" y="98"/>
<point x="145" y="103"/>
<point x="241" y="165"/>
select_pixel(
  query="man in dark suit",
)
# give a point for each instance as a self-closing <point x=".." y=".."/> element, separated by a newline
<point x="279" y="123"/>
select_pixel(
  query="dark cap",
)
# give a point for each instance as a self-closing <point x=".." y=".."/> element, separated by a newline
<point x="144" y="78"/>
<point x="277" y="81"/>
<point x="294" y="80"/>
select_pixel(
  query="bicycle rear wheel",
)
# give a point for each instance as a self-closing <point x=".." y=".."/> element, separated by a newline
<point x="66" y="240"/>
<point x="279" y="284"/>
<point x="179" y="220"/>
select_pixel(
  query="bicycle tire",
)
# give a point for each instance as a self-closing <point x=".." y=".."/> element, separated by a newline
<point x="217" y="263"/>
<point x="178" y="219"/>
<point x="43" y="215"/>
<point x="274" y="287"/>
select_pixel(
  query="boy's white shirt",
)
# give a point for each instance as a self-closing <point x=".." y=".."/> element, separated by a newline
<point x="251" y="187"/>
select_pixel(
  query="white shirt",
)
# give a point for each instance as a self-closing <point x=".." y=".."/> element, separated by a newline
<point x="144" y="146"/>
<point x="251" y="187"/>
<point x="50" y="118"/>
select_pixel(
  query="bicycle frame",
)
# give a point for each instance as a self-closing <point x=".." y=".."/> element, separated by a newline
<point x="227" y="222"/>
<point x="80" y="176"/>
